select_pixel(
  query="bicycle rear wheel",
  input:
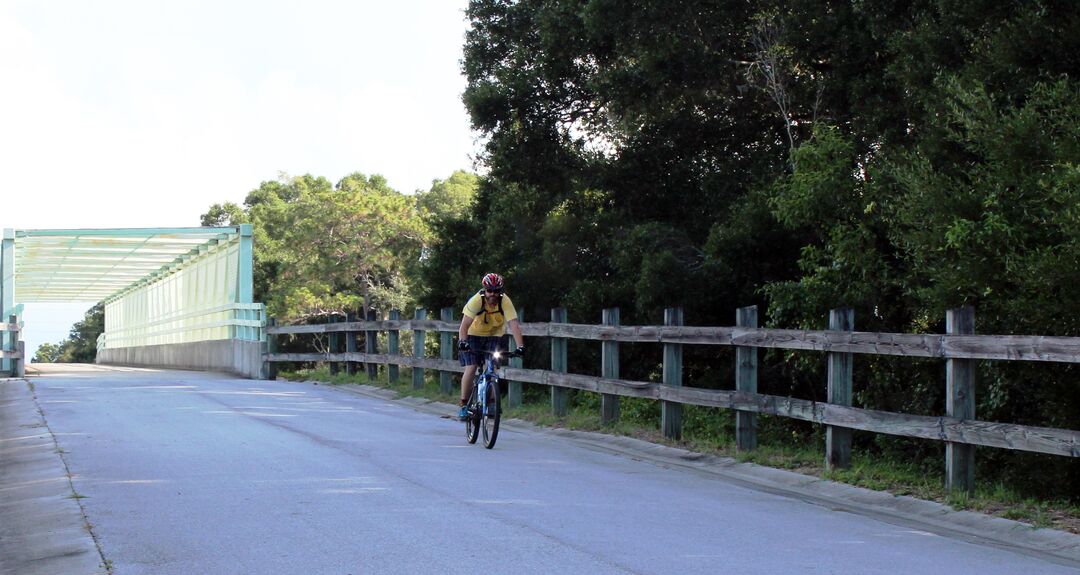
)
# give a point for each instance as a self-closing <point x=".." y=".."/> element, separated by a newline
<point x="490" y="419"/>
<point x="472" y="420"/>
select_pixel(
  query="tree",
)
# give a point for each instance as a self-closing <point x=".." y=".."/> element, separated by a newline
<point x="226" y="214"/>
<point x="322" y="248"/>
<point x="47" y="353"/>
<point x="80" y="346"/>
<point x="449" y="198"/>
<point x="349" y="247"/>
<point x="602" y="117"/>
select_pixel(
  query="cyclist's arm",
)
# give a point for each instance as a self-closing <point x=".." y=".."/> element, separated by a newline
<point x="474" y="306"/>
<point x="463" y="330"/>
<point x="515" y="328"/>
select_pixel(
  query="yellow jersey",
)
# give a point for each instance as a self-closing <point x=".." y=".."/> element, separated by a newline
<point x="489" y="320"/>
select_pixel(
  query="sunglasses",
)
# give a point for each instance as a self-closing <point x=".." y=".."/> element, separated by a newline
<point x="492" y="291"/>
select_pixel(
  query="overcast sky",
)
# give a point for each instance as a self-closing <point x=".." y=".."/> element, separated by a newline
<point x="144" y="113"/>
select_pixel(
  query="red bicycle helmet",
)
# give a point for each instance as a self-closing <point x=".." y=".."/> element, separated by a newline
<point x="493" y="282"/>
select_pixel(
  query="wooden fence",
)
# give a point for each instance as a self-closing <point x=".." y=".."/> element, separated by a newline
<point x="959" y="348"/>
<point x="14" y="349"/>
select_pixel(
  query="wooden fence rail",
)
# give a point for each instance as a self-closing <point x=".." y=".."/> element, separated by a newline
<point x="959" y="348"/>
<point x="997" y="347"/>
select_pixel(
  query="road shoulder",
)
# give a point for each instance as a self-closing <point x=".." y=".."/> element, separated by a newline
<point x="44" y="531"/>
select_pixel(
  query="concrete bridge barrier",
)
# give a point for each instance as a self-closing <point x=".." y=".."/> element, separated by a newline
<point x="239" y="357"/>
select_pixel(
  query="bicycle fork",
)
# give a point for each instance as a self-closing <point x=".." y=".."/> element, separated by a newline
<point x="481" y="394"/>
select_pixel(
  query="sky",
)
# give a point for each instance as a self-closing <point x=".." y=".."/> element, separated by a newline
<point x="145" y="113"/>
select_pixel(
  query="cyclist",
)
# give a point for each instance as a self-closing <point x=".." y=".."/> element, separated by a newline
<point x="483" y="326"/>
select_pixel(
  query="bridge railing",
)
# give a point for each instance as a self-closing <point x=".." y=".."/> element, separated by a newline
<point x="959" y="348"/>
<point x="13" y="349"/>
<point x="242" y="321"/>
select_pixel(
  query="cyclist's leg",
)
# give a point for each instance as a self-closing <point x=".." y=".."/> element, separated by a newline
<point x="475" y="358"/>
<point x="467" y="382"/>
<point x="468" y="361"/>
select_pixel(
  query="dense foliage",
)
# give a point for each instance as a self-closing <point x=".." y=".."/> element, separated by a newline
<point x="898" y="158"/>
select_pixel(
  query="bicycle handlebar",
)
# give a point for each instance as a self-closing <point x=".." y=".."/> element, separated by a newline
<point x="498" y="353"/>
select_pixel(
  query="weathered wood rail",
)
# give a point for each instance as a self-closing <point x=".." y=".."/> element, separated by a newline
<point x="999" y="347"/>
<point x="959" y="348"/>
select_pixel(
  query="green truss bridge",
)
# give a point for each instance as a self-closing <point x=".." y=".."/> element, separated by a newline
<point x="173" y="297"/>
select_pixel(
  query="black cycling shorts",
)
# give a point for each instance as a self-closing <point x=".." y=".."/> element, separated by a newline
<point x="479" y="343"/>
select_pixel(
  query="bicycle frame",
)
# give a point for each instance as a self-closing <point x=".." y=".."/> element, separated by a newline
<point x="484" y="378"/>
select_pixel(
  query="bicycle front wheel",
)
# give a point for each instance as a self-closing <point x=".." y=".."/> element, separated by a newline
<point x="492" y="414"/>
<point x="472" y="420"/>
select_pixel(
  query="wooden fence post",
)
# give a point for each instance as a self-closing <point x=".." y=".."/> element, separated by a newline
<point x="13" y="344"/>
<point x="838" y="439"/>
<point x="19" y="369"/>
<point x="514" y="391"/>
<point x="7" y="343"/>
<point x="960" y="403"/>
<point x="392" y="348"/>
<point x="746" y="362"/>
<point x="332" y="345"/>
<point x="446" y="341"/>
<point x="418" y="349"/>
<point x="558" y="364"/>
<point x="350" y="344"/>
<point x="609" y="369"/>
<point x="18" y="364"/>
<point x="671" y="412"/>
<point x="371" y="346"/>
<point x="271" y="348"/>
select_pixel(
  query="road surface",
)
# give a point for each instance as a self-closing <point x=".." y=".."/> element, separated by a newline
<point x="186" y="472"/>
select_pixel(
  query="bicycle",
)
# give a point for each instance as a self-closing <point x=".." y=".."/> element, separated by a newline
<point x="483" y="408"/>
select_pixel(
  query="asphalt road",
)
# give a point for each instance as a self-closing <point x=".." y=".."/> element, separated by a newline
<point x="186" y="472"/>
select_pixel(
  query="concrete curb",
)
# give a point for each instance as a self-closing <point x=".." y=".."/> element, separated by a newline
<point x="43" y="529"/>
<point x="1048" y="544"/>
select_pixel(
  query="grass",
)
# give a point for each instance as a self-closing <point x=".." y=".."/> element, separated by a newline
<point x="1001" y="501"/>
<point x="787" y="450"/>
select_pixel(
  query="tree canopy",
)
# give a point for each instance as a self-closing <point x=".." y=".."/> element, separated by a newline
<point x="324" y="249"/>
